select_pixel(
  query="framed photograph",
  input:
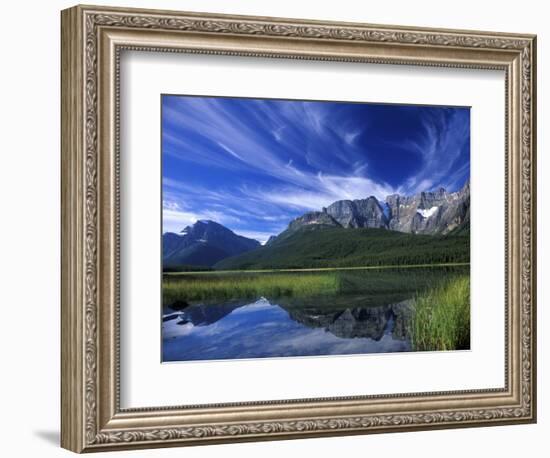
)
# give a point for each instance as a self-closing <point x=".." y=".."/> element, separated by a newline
<point x="277" y="228"/>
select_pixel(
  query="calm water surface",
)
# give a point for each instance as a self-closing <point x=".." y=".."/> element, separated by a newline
<point x="372" y="317"/>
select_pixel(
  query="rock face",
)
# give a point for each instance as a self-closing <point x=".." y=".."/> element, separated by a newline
<point x="433" y="212"/>
<point x="368" y="322"/>
<point x="313" y="218"/>
<point x="358" y="213"/>
<point x="372" y="322"/>
<point x="437" y="212"/>
<point x="203" y="244"/>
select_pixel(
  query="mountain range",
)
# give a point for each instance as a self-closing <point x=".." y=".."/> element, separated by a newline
<point x="438" y="212"/>
<point x="203" y="244"/>
<point x="400" y="230"/>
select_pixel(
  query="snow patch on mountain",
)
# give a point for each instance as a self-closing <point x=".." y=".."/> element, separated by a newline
<point x="427" y="212"/>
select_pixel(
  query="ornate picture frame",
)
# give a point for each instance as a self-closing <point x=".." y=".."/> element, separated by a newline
<point x="93" y="39"/>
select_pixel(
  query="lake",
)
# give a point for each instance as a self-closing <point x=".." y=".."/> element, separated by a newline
<point x="218" y="316"/>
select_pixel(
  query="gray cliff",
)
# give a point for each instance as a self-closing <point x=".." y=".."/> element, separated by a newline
<point x="429" y="212"/>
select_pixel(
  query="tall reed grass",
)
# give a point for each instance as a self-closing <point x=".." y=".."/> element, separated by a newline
<point x="441" y="318"/>
<point x="270" y="286"/>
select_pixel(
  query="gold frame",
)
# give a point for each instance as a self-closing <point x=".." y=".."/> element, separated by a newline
<point x="92" y="39"/>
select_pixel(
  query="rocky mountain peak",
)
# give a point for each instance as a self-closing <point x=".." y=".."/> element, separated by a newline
<point x="204" y="229"/>
<point x="358" y="213"/>
<point x="203" y="243"/>
<point x="313" y="218"/>
<point x="428" y="212"/>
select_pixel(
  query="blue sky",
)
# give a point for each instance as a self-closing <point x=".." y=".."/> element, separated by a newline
<point x="254" y="164"/>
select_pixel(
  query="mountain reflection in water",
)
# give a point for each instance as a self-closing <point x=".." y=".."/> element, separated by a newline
<point x="264" y="329"/>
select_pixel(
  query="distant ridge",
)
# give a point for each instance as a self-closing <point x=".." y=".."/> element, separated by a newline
<point x="429" y="227"/>
<point x="317" y="245"/>
<point x="203" y="244"/>
<point x="430" y="212"/>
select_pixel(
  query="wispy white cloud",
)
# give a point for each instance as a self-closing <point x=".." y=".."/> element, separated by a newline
<point x="246" y="141"/>
<point x="174" y="218"/>
<point x="440" y="147"/>
<point x="328" y="189"/>
<point x="230" y="151"/>
<point x="280" y="158"/>
<point x="350" y="137"/>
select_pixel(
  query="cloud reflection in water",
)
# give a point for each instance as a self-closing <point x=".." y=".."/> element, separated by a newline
<point x="261" y="330"/>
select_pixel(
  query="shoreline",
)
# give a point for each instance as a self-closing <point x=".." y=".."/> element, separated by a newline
<point x="318" y="269"/>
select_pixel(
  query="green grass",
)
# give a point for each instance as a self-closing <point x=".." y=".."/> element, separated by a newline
<point x="324" y="287"/>
<point x="441" y="313"/>
<point x="192" y="270"/>
<point x="442" y="317"/>
<point x="229" y="287"/>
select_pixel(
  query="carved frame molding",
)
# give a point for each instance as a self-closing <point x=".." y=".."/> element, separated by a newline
<point x="92" y="39"/>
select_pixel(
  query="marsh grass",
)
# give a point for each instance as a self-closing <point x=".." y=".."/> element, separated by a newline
<point x="204" y="288"/>
<point x="442" y="317"/>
